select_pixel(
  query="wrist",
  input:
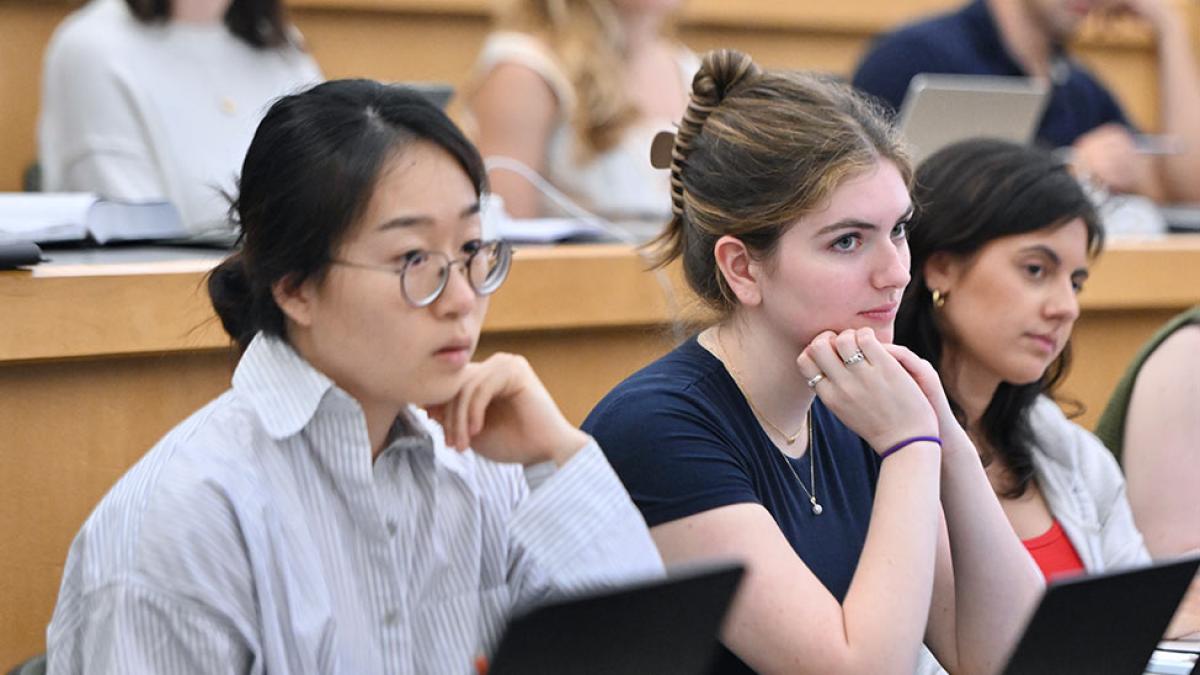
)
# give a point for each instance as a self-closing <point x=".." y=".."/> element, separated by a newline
<point x="928" y="440"/>
<point x="563" y="446"/>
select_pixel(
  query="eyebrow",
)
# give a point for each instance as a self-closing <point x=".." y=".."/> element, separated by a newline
<point x="425" y="220"/>
<point x="1049" y="253"/>
<point x="856" y="224"/>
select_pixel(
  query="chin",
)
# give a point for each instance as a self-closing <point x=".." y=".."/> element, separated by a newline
<point x="1026" y="374"/>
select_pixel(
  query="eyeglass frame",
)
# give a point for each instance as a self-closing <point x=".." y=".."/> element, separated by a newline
<point x="504" y="251"/>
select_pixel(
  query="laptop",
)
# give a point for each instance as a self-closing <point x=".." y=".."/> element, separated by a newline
<point x="666" y="626"/>
<point x="942" y="109"/>
<point x="1102" y="624"/>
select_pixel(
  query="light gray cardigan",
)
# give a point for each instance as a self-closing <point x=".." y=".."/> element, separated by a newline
<point x="1085" y="490"/>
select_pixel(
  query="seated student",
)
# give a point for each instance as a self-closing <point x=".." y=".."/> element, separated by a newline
<point x="1152" y="426"/>
<point x="147" y="100"/>
<point x="576" y="90"/>
<point x="790" y="433"/>
<point x="313" y="518"/>
<point x="1026" y="38"/>
<point x="1001" y="243"/>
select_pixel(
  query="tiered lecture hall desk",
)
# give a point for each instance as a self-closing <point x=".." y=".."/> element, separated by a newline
<point x="99" y="359"/>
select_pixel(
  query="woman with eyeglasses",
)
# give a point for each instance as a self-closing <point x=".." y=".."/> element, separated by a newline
<point x="365" y="498"/>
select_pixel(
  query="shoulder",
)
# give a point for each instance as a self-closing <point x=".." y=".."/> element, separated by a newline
<point x="934" y="38"/>
<point x="1066" y="446"/>
<point x="93" y="37"/>
<point x="684" y="384"/>
<point x="1177" y="352"/>
<point x="181" y="507"/>
<point x="525" y="60"/>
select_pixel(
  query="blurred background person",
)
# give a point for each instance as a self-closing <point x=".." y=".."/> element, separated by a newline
<point x="1028" y="38"/>
<point x="1152" y="425"/>
<point x="146" y="100"/>
<point x="576" y="90"/>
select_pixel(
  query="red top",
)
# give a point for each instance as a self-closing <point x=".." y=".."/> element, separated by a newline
<point x="1054" y="554"/>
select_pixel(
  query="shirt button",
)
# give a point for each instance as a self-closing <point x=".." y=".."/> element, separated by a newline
<point x="391" y="527"/>
<point x="391" y="617"/>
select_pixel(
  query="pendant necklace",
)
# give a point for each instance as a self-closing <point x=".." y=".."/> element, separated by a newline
<point x="790" y="438"/>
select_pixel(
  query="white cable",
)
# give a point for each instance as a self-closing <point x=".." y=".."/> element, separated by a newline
<point x="561" y="200"/>
<point x="568" y="205"/>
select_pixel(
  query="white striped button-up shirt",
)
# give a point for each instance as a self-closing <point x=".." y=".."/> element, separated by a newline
<point x="258" y="536"/>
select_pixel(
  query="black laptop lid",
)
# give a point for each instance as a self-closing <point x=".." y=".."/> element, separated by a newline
<point x="1102" y="624"/>
<point x="665" y="627"/>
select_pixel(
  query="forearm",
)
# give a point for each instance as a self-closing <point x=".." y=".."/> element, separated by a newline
<point x="996" y="581"/>
<point x="578" y="529"/>
<point x="1179" y="82"/>
<point x="885" y="608"/>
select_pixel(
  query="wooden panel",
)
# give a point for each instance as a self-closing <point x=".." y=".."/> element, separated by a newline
<point x="73" y="417"/>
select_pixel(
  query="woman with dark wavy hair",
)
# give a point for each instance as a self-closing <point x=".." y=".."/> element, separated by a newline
<point x="1001" y="243"/>
<point x="146" y="100"/>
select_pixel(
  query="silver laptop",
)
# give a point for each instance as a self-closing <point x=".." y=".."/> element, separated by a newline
<point x="942" y="109"/>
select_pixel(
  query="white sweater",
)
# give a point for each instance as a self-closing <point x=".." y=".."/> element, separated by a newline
<point x="143" y="112"/>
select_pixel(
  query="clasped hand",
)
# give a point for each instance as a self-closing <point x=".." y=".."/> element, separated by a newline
<point x="887" y="396"/>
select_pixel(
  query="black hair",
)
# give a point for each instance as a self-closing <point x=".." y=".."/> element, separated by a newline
<point x="261" y="23"/>
<point x="308" y="176"/>
<point x="967" y="195"/>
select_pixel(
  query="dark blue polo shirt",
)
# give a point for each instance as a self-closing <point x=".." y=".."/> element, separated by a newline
<point x="968" y="42"/>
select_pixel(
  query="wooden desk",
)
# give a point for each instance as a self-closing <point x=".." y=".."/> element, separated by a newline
<point x="98" y="361"/>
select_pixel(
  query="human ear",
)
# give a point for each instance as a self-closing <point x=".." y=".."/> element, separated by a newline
<point x="942" y="271"/>
<point x="738" y="268"/>
<point x="297" y="301"/>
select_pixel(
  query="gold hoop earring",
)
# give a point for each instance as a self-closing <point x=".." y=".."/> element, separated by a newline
<point x="939" y="298"/>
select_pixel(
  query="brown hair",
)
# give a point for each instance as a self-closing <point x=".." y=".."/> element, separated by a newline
<point x="586" y="39"/>
<point x="755" y="151"/>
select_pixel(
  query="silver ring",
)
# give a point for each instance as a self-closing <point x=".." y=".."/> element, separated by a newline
<point x="815" y="380"/>
<point x="856" y="357"/>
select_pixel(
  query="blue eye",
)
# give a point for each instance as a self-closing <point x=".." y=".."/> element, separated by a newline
<point x="847" y="243"/>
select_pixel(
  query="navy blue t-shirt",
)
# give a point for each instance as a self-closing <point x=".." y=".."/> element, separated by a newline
<point x="968" y="42"/>
<point x="683" y="440"/>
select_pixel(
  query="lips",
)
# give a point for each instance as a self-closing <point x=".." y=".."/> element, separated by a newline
<point x="882" y="312"/>
<point x="1045" y="342"/>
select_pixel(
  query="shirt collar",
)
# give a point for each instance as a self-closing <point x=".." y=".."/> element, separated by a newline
<point x="988" y="40"/>
<point x="282" y="388"/>
<point x="286" y="392"/>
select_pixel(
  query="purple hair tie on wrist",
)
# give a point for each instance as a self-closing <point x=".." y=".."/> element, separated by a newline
<point x="907" y="442"/>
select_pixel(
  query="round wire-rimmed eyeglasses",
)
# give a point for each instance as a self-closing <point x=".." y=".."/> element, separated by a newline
<point x="425" y="274"/>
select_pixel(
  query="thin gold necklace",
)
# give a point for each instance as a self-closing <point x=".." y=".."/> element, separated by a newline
<point x="790" y="438"/>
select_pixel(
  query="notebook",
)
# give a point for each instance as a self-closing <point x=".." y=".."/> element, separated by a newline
<point x="666" y="627"/>
<point x="942" y="109"/>
<point x="1102" y="624"/>
<point x="49" y="217"/>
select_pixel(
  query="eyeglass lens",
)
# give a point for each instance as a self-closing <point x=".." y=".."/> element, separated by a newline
<point x="425" y="275"/>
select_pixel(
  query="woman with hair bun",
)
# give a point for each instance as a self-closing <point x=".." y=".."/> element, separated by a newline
<point x="364" y="499"/>
<point x="791" y="433"/>
<point x="576" y="91"/>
